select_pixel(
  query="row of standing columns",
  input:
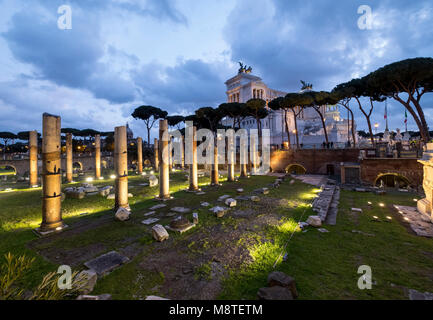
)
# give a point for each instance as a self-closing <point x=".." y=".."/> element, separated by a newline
<point x="163" y="160"/>
<point x="51" y="167"/>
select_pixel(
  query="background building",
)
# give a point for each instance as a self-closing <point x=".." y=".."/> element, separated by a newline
<point x="245" y="86"/>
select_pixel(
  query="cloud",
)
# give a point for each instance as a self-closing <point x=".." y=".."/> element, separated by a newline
<point x="190" y="83"/>
<point x="67" y="57"/>
<point x="318" y="41"/>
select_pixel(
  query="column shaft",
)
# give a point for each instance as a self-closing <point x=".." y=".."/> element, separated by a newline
<point x="156" y="154"/>
<point x="193" y="178"/>
<point x="33" y="150"/>
<point x="51" y="173"/>
<point x="69" y="167"/>
<point x="214" y="173"/>
<point x="164" y="174"/>
<point x="140" y="155"/>
<point x="121" y="168"/>
<point x="97" y="156"/>
<point x="230" y="160"/>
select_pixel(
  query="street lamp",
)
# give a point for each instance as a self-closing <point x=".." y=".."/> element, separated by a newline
<point x="376" y="125"/>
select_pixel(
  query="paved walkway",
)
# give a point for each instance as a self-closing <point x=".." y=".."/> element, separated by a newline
<point x="421" y="224"/>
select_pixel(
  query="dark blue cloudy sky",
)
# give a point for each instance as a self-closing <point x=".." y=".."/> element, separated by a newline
<point x="177" y="54"/>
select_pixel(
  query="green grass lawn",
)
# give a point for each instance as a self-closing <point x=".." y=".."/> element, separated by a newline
<point x="324" y="264"/>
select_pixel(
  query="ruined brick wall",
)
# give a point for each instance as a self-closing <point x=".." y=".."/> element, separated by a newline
<point x="315" y="161"/>
<point x="409" y="168"/>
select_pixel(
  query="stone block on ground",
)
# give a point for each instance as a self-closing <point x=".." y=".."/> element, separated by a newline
<point x="205" y="204"/>
<point x="158" y="206"/>
<point x="358" y="210"/>
<point x="149" y="213"/>
<point x="230" y="202"/>
<point x="100" y="297"/>
<point x="180" y="209"/>
<point x="278" y="278"/>
<point x="155" y="298"/>
<point x="314" y="221"/>
<point x="180" y="224"/>
<point x="223" y="198"/>
<point x="150" y="221"/>
<point x="111" y="196"/>
<point x="75" y="194"/>
<point x="159" y="233"/>
<point x="122" y="214"/>
<point x="106" y="263"/>
<point x="254" y="199"/>
<point x="87" y="280"/>
<point x="275" y="293"/>
<point x="153" y="181"/>
<point x="219" y="211"/>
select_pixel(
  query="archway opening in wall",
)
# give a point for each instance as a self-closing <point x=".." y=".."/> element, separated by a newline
<point x="296" y="169"/>
<point x="77" y="166"/>
<point x="391" y="180"/>
<point x="330" y="169"/>
<point x="8" y="170"/>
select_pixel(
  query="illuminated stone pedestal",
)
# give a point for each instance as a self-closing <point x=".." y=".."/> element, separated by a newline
<point x="69" y="157"/>
<point x="51" y="175"/>
<point x="97" y="156"/>
<point x="121" y="169"/>
<point x="140" y="155"/>
<point x="33" y="149"/>
<point x="425" y="205"/>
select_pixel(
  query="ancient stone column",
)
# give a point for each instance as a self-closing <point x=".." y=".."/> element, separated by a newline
<point x="193" y="178"/>
<point x="140" y="155"/>
<point x="164" y="174"/>
<point x="182" y="153"/>
<point x="120" y="168"/>
<point x="69" y="168"/>
<point x="230" y="160"/>
<point x="33" y="149"/>
<point x="156" y="154"/>
<point x="214" y="172"/>
<point x="51" y="174"/>
<point x="244" y="159"/>
<point x="170" y="155"/>
<point x="253" y="154"/>
<point x="97" y="156"/>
